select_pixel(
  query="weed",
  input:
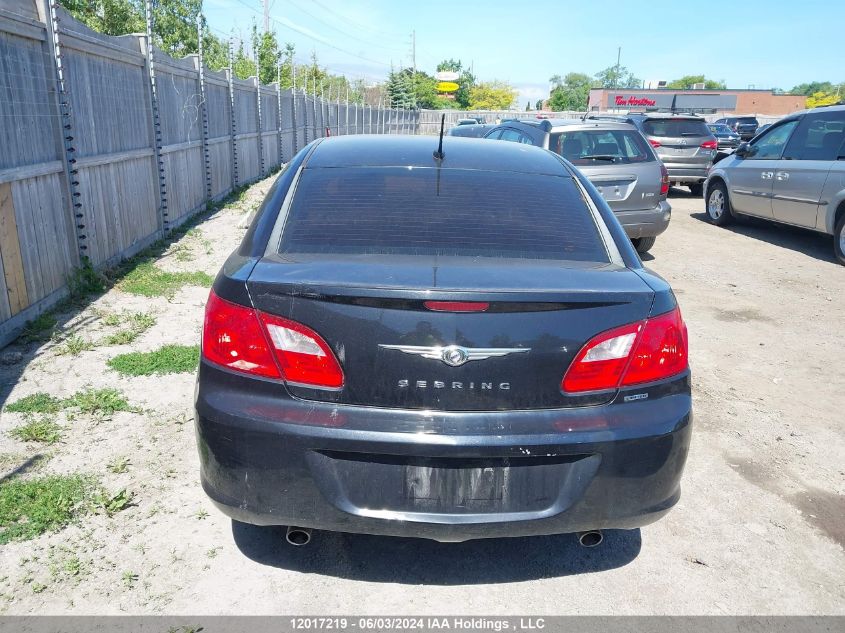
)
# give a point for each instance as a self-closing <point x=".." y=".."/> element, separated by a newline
<point x="201" y="514"/>
<point x="32" y="507"/>
<point x="99" y="402"/>
<point x="40" y="328"/>
<point x="75" y="345"/>
<point x="147" y="280"/>
<point x="170" y="359"/>
<point x="112" y="319"/>
<point x="85" y="281"/>
<point x="212" y="553"/>
<point x="112" y="504"/>
<point x="39" y="402"/>
<point x="138" y="323"/>
<point x="129" y="579"/>
<point x="41" y="429"/>
<point x="118" y="465"/>
<point x="141" y="321"/>
<point x="38" y="587"/>
<point x="72" y="566"/>
<point x="121" y="337"/>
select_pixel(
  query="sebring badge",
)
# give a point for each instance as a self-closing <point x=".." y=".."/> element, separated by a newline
<point x="455" y="355"/>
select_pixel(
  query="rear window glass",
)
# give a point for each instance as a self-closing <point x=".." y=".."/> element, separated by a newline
<point x="593" y="147"/>
<point x="745" y="120"/>
<point x="444" y="212"/>
<point x="675" y="127"/>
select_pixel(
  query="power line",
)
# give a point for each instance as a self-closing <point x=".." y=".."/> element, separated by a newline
<point x="341" y="31"/>
<point x="359" y="25"/>
<point x="293" y="27"/>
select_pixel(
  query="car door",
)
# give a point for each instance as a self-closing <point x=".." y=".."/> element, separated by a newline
<point x="751" y="176"/>
<point x="801" y="173"/>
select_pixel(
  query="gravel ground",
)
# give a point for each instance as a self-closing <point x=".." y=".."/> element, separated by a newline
<point x="760" y="527"/>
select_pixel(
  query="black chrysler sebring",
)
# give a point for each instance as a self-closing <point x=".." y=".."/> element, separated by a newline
<point x="451" y="345"/>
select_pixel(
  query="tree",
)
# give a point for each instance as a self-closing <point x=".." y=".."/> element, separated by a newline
<point x="453" y="65"/>
<point x="812" y="87"/>
<point x="688" y="81"/>
<point x="617" y="77"/>
<point x="528" y="106"/>
<point x="112" y="17"/>
<point x="491" y="95"/>
<point x="538" y="105"/>
<point x="570" y="92"/>
<point x="823" y="99"/>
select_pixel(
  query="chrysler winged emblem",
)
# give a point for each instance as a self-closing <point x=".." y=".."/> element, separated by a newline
<point x="455" y="355"/>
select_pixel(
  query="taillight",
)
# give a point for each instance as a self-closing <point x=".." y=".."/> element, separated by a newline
<point x="710" y="145"/>
<point x="654" y="143"/>
<point x="232" y="337"/>
<point x="637" y="353"/>
<point x="246" y="340"/>
<point x="664" y="180"/>
<point x="456" y="306"/>
<point x="303" y="355"/>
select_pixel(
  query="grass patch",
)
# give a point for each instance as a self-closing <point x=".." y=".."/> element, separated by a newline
<point x="118" y="465"/>
<point x="100" y="402"/>
<point x="40" y="328"/>
<point x="85" y="281"/>
<point x="137" y="323"/>
<point x="42" y="429"/>
<point x="29" y="508"/>
<point x="170" y="359"/>
<point x="112" y="504"/>
<point x="74" y="346"/>
<point x="147" y="280"/>
<point x="36" y="403"/>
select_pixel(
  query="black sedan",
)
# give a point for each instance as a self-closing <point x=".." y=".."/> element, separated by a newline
<point x="449" y="346"/>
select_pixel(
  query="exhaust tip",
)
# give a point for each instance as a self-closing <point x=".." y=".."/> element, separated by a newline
<point x="298" y="536"/>
<point x="591" y="538"/>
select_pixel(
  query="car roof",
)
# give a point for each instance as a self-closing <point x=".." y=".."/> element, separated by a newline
<point x="418" y="151"/>
<point x="556" y="125"/>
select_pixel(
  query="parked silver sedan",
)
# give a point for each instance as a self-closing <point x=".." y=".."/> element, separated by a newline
<point x="615" y="158"/>
<point x="793" y="173"/>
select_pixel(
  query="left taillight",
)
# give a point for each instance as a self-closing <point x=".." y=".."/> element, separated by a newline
<point x="664" y="181"/>
<point x="252" y="342"/>
<point x="633" y="354"/>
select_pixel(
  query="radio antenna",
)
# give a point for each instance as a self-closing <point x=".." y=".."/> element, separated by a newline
<point x="439" y="155"/>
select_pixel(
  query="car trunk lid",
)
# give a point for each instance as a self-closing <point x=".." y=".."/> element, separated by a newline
<point x="371" y="312"/>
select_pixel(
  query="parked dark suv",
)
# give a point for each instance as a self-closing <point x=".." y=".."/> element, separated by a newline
<point x="745" y="126"/>
<point x="448" y="346"/>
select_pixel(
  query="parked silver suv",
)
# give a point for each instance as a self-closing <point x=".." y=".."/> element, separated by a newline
<point x="793" y="173"/>
<point x="615" y="158"/>
<point x="682" y="141"/>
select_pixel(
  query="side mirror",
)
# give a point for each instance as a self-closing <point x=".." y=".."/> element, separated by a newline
<point x="744" y="150"/>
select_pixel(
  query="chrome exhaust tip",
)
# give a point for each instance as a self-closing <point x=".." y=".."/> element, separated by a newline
<point x="298" y="536"/>
<point x="591" y="538"/>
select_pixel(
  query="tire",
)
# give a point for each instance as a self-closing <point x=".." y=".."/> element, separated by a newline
<point x="839" y="240"/>
<point x="718" y="205"/>
<point x="697" y="190"/>
<point x="643" y="244"/>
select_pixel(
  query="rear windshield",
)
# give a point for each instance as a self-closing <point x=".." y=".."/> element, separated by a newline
<point x="745" y="120"/>
<point x="721" y="129"/>
<point x="444" y="212"/>
<point x="592" y="147"/>
<point x="675" y="127"/>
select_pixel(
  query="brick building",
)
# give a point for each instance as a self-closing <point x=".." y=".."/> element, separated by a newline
<point x="763" y="102"/>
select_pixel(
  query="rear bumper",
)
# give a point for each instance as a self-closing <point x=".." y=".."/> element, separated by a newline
<point x="647" y="222"/>
<point x="687" y="175"/>
<point x="516" y="473"/>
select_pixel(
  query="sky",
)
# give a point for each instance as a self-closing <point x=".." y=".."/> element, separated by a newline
<point x="764" y="44"/>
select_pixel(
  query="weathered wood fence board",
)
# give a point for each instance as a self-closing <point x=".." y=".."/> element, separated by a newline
<point x="79" y="176"/>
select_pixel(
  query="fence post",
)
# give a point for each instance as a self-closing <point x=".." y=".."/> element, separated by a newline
<point x="346" y="128"/>
<point x="230" y="73"/>
<point x="293" y="104"/>
<point x="337" y="116"/>
<point x="258" y="116"/>
<point x="66" y="130"/>
<point x="314" y="102"/>
<point x="204" y="109"/>
<point x="279" y="111"/>
<point x="162" y="186"/>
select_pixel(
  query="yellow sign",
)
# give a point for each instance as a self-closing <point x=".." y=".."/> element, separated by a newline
<point x="447" y="86"/>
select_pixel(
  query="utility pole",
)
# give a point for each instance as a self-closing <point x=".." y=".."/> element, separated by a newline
<point x="414" y="51"/>
<point x="266" y="4"/>
<point x="616" y="75"/>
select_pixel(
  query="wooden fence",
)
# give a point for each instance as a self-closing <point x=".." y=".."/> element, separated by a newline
<point x="106" y="144"/>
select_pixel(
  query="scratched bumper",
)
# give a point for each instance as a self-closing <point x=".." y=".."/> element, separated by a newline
<point x="269" y="459"/>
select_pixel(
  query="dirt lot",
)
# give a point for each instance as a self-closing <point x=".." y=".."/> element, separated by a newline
<point x="760" y="528"/>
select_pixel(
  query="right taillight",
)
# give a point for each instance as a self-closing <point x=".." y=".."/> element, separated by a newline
<point x="252" y="342"/>
<point x="637" y="353"/>
<point x="654" y="143"/>
<point x="664" y="180"/>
